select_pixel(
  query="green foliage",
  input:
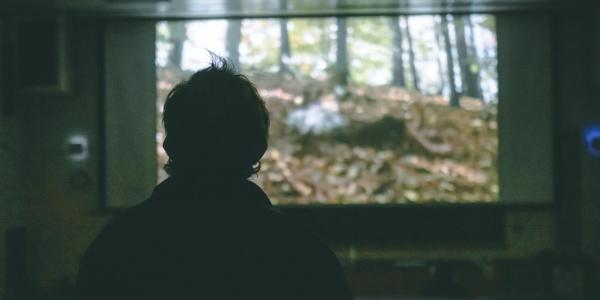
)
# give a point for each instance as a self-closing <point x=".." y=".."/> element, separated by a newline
<point x="311" y="45"/>
<point x="162" y="31"/>
<point x="260" y="44"/>
<point x="488" y="22"/>
<point x="370" y="50"/>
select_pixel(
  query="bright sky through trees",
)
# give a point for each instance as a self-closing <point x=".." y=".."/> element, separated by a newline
<point x="313" y="48"/>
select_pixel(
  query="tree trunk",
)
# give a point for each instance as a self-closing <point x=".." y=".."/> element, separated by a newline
<point x="177" y="37"/>
<point x="284" y="49"/>
<point x="454" y="99"/>
<point x="411" y="56"/>
<point x="475" y="62"/>
<point x="439" y="49"/>
<point x="469" y="82"/>
<point x="342" y="72"/>
<point x="233" y="38"/>
<point x="397" y="63"/>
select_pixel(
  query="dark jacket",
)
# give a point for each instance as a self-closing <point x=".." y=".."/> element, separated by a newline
<point x="208" y="241"/>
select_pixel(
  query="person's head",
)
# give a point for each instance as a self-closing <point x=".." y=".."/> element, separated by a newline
<point x="216" y="124"/>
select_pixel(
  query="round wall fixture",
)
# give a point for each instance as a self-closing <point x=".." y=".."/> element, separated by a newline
<point x="591" y="135"/>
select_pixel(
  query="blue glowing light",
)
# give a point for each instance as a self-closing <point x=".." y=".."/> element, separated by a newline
<point x="591" y="136"/>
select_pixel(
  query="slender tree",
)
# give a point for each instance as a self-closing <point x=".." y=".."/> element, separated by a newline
<point x="177" y="37"/>
<point x="398" y="51"/>
<point x="439" y="49"/>
<point x="468" y="78"/>
<point x="342" y="72"/>
<point x="233" y="37"/>
<point x="461" y="50"/>
<point x="284" y="49"/>
<point x="474" y="56"/>
<point x="454" y="98"/>
<point x="411" y="56"/>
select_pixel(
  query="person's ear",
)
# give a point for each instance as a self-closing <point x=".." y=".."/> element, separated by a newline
<point x="259" y="150"/>
<point x="167" y="146"/>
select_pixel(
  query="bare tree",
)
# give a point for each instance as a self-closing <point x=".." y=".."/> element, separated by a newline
<point x="468" y="78"/>
<point x="177" y="37"/>
<point x="474" y="58"/>
<point x="285" y="50"/>
<point x="233" y="37"/>
<point x="454" y="98"/>
<point x="439" y="49"/>
<point x="411" y="56"/>
<point x="342" y="72"/>
<point x="398" y="51"/>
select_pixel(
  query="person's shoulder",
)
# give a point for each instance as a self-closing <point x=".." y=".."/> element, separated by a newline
<point x="128" y="217"/>
<point x="288" y="231"/>
<point x="110" y="253"/>
<point x="118" y="229"/>
<point x="314" y="264"/>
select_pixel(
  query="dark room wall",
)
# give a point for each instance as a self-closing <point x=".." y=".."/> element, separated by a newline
<point x="11" y="175"/>
<point x="59" y="195"/>
<point x="54" y="195"/>
<point x="590" y="170"/>
<point x="577" y="105"/>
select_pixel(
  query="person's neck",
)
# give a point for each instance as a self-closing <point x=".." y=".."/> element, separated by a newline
<point x="205" y="179"/>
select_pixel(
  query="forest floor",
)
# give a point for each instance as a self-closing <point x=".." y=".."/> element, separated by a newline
<point x="380" y="145"/>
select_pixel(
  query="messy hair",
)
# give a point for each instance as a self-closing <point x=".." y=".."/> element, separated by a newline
<point x="215" y="121"/>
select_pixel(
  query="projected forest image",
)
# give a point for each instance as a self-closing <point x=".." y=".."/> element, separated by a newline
<point x="364" y="110"/>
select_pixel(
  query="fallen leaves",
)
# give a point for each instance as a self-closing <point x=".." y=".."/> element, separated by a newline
<point x="395" y="145"/>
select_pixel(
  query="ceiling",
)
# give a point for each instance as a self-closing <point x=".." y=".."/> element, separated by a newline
<point x="263" y="8"/>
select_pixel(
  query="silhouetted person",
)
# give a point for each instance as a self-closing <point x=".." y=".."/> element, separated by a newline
<point x="207" y="232"/>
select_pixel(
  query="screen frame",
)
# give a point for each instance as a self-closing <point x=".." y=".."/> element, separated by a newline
<point x="395" y="223"/>
<point x="478" y="225"/>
